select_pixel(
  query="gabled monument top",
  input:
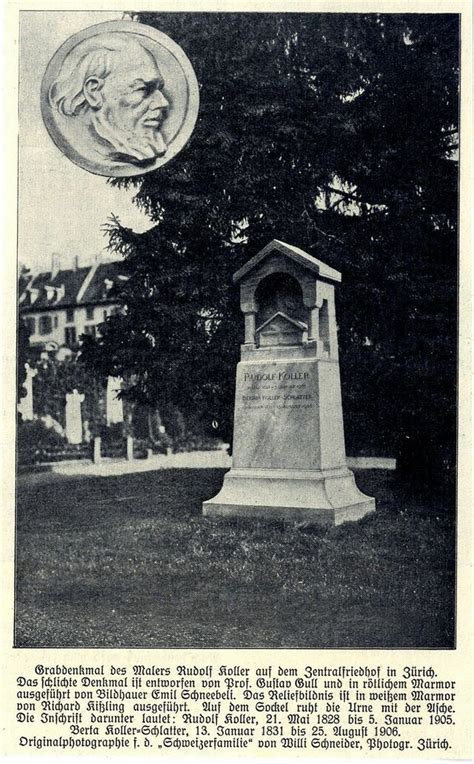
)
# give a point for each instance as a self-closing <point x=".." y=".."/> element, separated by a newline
<point x="284" y="317"/>
<point x="294" y="253"/>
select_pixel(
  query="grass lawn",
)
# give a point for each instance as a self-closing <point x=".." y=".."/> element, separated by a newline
<point x="130" y="561"/>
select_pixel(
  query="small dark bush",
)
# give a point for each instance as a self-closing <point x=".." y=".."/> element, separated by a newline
<point x="38" y="443"/>
<point x="36" y="433"/>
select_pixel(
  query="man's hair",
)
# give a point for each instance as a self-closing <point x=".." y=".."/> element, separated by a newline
<point x="93" y="57"/>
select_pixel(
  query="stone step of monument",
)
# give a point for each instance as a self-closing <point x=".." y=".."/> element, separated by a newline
<point x="371" y="463"/>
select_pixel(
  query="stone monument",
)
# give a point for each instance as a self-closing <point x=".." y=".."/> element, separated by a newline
<point x="113" y="404"/>
<point x="289" y="459"/>
<point x="120" y="98"/>
<point x="73" y="417"/>
<point x="25" y="406"/>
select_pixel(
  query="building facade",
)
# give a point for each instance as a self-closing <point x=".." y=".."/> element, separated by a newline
<point x="60" y="305"/>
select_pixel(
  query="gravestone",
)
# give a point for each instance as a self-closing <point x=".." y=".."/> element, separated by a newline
<point x="96" y="450"/>
<point x="113" y="404"/>
<point x="25" y="406"/>
<point x="288" y="459"/>
<point x="73" y="417"/>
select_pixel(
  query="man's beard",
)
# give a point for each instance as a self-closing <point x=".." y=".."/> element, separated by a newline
<point x="141" y="147"/>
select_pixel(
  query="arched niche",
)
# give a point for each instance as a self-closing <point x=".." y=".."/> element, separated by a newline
<point x="279" y="293"/>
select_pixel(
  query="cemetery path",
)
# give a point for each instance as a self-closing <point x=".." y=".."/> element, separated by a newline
<point x="218" y="459"/>
<point x="51" y="472"/>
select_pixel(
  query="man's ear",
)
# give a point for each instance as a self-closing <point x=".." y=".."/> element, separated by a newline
<point x="91" y="90"/>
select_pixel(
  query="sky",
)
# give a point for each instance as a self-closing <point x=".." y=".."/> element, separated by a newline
<point x="61" y="206"/>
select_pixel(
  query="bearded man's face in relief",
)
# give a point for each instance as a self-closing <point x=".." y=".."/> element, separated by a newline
<point x="120" y="100"/>
<point x="131" y="108"/>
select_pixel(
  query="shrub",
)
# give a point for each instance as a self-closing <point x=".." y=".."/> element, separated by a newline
<point x="38" y="443"/>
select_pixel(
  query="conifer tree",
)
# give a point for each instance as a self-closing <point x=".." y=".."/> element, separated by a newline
<point x="333" y="132"/>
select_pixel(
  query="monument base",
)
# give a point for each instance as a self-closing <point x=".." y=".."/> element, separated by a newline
<point x="307" y="497"/>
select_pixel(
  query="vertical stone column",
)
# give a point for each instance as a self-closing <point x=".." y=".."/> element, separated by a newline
<point x="74" y="417"/>
<point x="129" y="448"/>
<point x="313" y="328"/>
<point x="248" y="306"/>
<point x="249" y="327"/>
<point x="25" y="406"/>
<point x="113" y="405"/>
<point x="96" y="453"/>
<point x="327" y="328"/>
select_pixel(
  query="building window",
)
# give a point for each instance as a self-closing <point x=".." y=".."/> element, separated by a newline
<point x="30" y="324"/>
<point x="90" y="329"/>
<point x="45" y="325"/>
<point x="90" y="312"/>
<point x="70" y="315"/>
<point x="70" y="336"/>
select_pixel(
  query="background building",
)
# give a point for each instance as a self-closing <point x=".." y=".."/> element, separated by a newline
<point x="60" y="305"/>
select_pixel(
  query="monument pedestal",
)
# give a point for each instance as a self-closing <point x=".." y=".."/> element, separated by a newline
<point x="289" y="460"/>
<point x="305" y="497"/>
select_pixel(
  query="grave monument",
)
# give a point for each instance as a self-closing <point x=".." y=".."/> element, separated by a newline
<point x="25" y="406"/>
<point x="113" y="404"/>
<point x="289" y="459"/>
<point x="74" y="417"/>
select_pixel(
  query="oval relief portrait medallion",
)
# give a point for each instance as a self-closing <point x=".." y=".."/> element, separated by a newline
<point x="120" y="98"/>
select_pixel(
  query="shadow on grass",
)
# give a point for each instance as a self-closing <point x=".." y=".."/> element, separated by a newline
<point x="130" y="561"/>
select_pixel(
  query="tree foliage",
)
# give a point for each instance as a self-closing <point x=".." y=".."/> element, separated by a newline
<point x="23" y="338"/>
<point x="333" y="132"/>
<point x="55" y="379"/>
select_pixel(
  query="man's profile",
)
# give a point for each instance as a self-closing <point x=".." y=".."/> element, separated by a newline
<point x="111" y="86"/>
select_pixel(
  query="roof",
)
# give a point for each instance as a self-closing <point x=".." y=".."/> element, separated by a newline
<point x="66" y="285"/>
<point x="71" y="286"/>
<point x="294" y="253"/>
<point x="105" y="283"/>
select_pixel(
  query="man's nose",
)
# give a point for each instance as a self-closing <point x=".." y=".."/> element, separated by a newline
<point x="158" y="100"/>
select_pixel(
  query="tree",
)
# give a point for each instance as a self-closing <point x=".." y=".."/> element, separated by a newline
<point x="23" y="337"/>
<point x="334" y="132"/>
<point x="54" y="379"/>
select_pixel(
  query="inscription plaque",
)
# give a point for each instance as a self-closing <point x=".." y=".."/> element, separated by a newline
<point x="276" y="407"/>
